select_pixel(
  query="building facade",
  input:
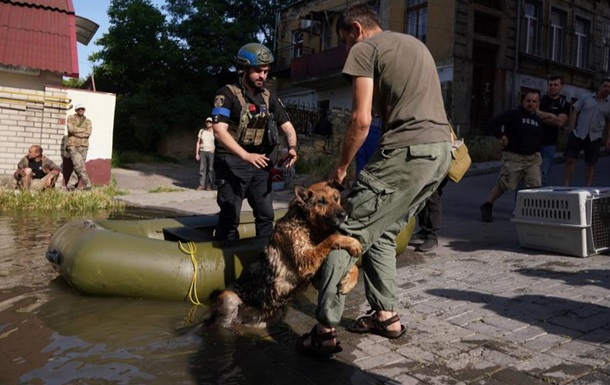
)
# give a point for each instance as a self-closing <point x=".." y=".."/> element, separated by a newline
<point x="38" y="40"/>
<point x="487" y="52"/>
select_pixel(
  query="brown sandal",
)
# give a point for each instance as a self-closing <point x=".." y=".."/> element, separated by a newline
<point x="379" y="327"/>
<point x="316" y="348"/>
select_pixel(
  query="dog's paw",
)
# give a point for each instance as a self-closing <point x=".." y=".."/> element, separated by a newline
<point x="349" y="244"/>
<point x="348" y="282"/>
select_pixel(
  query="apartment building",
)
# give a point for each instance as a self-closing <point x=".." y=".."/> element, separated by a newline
<point x="487" y="52"/>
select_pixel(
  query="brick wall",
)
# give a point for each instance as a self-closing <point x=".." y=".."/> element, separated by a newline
<point x="30" y="117"/>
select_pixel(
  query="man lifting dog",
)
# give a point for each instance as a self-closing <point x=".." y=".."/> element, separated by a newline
<point x="412" y="159"/>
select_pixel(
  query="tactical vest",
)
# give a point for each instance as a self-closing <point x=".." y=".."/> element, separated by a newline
<point x="254" y="121"/>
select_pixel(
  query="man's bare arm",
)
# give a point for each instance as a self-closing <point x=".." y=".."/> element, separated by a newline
<point x="360" y="122"/>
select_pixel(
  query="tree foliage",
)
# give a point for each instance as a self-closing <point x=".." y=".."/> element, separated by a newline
<point x="164" y="64"/>
<point x="73" y="83"/>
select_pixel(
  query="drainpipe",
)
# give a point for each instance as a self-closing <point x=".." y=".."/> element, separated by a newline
<point x="276" y="28"/>
<point x="517" y="50"/>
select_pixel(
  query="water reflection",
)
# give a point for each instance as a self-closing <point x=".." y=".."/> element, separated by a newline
<point x="118" y="340"/>
<point x="51" y="335"/>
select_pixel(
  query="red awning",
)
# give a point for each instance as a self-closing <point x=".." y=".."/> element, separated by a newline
<point x="39" y="34"/>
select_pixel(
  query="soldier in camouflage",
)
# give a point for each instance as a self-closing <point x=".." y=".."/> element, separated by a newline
<point x="35" y="171"/>
<point x="77" y="145"/>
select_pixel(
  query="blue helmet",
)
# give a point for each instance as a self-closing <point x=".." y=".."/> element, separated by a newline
<point x="254" y="54"/>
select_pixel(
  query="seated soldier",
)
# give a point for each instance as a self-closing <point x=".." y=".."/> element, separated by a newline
<point x="35" y="171"/>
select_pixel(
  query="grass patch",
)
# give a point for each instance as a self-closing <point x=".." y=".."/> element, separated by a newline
<point x="320" y="167"/>
<point x="317" y="167"/>
<point x="164" y="189"/>
<point x="57" y="200"/>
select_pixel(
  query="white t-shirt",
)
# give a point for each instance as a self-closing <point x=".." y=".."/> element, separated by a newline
<point x="207" y="140"/>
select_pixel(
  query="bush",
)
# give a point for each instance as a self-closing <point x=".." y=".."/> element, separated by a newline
<point x="319" y="167"/>
<point x="483" y="148"/>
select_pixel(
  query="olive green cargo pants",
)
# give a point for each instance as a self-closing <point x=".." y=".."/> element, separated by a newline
<point x="391" y="189"/>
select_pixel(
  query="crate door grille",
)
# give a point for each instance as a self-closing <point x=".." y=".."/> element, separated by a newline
<point x="544" y="208"/>
<point x="600" y="222"/>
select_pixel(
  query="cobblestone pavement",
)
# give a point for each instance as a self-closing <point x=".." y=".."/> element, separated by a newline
<point x="479" y="309"/>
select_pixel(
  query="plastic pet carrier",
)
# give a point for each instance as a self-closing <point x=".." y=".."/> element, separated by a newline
<point x="573" y="221"/>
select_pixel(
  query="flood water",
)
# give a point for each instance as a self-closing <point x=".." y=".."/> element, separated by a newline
<point x="49" y="334"/>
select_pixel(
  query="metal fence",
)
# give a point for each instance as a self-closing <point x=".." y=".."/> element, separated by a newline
<point x="309" y="119"/>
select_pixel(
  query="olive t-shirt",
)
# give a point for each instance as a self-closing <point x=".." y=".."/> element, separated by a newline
<point x="407" y="93"/>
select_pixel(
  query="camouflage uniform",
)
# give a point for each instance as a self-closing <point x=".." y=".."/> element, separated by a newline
<point x="77" y="145"/>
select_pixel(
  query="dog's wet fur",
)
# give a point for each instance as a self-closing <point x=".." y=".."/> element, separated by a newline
<point x="300" y="242"/>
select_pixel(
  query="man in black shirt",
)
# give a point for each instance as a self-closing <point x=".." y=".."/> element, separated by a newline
<point x="554" y="111"/>
<point x="35" y="171"/>
<point x="520" y="132"/>
<point x="244" y="118"/>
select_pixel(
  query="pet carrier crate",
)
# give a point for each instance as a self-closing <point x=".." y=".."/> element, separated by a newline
<point x="573" y="221"/>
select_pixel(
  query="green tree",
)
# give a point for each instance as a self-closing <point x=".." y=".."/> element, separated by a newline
<point x="165" y="73"/>
<point x="73" y="82"/>
<point x="139" y="62"/>
<point x="213" y="30"/>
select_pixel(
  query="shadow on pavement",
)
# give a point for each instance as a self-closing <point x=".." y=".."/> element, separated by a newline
<point x="553" y="315"/>
<point x="184" y="174"/>
<point x="595" y="277"/>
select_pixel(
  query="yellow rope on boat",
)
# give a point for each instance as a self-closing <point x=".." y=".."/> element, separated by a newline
<point x="192" y="249"/>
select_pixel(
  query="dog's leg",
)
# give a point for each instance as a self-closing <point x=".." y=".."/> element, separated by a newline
<point x="349" y="280"/>
<point x="226" y="309"/>
<point x="313" y="258"/>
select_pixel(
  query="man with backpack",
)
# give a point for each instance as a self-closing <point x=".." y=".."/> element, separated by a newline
<point x="246" y="119"/>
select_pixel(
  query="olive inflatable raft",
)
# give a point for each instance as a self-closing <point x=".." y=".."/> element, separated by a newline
<point x="161" y="258"/>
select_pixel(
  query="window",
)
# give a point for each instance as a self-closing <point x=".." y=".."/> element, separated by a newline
<point x="557" y="35"/>
<point x="297" y="43"/>
<point x="417" y="18"/>
<point x="485" y="24"/>
<point x="581" y="42"/>
<point x="530" y="33"/>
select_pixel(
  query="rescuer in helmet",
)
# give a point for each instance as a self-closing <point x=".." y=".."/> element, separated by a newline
<point x="246" y="117"/>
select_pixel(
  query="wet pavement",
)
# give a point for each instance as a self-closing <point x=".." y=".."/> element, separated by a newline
<point x="479" y="309"/>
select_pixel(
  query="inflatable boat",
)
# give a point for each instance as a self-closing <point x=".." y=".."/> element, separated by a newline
<point x="162" y="258"/>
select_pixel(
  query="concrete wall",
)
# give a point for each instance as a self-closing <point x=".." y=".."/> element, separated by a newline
<point x="99" y="107"/>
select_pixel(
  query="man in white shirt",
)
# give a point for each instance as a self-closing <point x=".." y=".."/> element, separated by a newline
<point x="204" y="153"/>
<point x="589" y="120"/>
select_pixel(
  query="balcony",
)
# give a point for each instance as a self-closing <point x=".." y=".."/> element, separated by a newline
<point x="284" y="57"/>
<point x="318" y="66"/>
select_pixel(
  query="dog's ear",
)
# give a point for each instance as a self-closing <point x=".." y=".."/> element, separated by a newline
<point x="336" y="185"/>
<point x="300" y="193"/>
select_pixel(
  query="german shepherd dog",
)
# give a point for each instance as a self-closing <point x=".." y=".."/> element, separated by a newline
<point x="300" y="242"/>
